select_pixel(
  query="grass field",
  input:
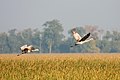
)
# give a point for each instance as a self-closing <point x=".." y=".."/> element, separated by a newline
<point x="60" y="67"/>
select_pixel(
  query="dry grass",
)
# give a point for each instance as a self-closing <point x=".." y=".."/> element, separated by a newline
<point x="60" y="67"/>
<point x="52" y="56"/>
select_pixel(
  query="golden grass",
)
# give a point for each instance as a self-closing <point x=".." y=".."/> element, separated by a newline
<point x="60" y="67"/>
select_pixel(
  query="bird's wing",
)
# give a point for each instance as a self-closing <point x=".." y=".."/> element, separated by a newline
<point x="85" y="37"/>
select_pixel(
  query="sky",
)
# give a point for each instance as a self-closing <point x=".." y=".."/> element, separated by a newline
<point x="23" y="14"/>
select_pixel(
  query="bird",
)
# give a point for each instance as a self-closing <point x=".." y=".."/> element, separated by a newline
<point x="79" y="39"/>
<point x="27" y="49"/>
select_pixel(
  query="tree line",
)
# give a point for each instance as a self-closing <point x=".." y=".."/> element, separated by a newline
<point x="52" y="40"/>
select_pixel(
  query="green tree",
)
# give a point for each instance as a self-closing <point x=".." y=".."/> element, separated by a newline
<point x="27" y="35"/>
<point x="4" y="45"/>
<point x="52" y="36"/>
<point x="116" y="36"/>
<point x="107" y="36"/>
<point x="36" y="39"/>
<point x="110" y="42"/>
<point x="13" y="41"/>
<point x="115" y="47"/>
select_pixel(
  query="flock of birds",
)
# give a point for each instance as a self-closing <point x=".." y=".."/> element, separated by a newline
<point x="79" y="40"/>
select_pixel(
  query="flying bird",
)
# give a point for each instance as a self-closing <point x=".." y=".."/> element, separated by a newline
<point x="79" y="39"/>
<point x="27" y="49"/>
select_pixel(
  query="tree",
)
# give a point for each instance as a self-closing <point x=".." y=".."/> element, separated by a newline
<point x="52" y="36"/>
<point x="115" y="47"/>
<point x="94" y="30"/>
<point x="4" y="45"/>
<point x="116" y="36"/>
<point x="13" y="41"/>
<point x="107" y="36"/>
<point x="27" y="35"/>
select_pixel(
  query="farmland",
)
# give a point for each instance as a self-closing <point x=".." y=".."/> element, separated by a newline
<point x="60" y="66"/>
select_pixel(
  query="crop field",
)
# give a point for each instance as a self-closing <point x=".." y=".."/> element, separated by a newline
<point x="60" y="66"/>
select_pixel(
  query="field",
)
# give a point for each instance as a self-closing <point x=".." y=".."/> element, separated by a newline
<point x="60" y="66"/>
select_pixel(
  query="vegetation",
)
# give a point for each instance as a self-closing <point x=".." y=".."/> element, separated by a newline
<point x="52" y="40"/>
<point x="60" y="67"/>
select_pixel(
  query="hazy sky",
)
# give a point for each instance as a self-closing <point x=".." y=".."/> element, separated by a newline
<point x="22" y="14"/>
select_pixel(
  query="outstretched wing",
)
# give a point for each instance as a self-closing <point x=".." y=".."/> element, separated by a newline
<point x="85" y="37"/>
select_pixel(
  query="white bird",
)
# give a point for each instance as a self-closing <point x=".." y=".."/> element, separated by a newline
<point x="27" y="49"/>
<point x="79" y="39"/>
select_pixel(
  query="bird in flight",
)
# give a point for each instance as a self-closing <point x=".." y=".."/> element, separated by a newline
<point x="27" y="49"/>
<point x="79" y="39"/>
